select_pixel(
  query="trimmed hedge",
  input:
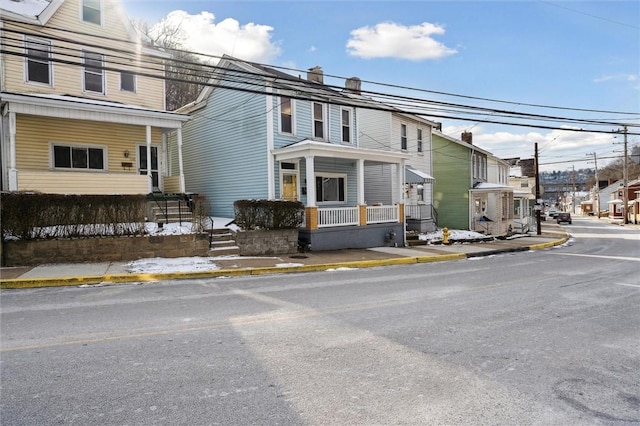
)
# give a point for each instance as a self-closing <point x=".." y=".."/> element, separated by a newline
<point x="36" y="216"/>
<point x="268" y="214"/>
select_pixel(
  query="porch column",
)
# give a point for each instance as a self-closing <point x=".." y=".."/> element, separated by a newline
<point x="400" y="180"/>
<point x="149" y="175"/>
<point x="13" y="172"/>
<point x="180" y="165"/>
<point x="311" y="181"/>
<point x="360" y="172"/>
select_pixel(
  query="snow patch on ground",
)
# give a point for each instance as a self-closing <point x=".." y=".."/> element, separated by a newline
<point x="171" y="265"/>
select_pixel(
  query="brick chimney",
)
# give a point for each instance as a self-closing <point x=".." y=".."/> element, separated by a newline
<point x="467" y="137"/>
<point x="353" y="85"/>
<point x="315" y="74"/>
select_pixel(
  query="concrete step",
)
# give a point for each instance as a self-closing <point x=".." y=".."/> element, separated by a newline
<point x="224" y="251"/>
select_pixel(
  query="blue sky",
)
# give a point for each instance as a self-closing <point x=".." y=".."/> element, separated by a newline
<point x="558" y="53"/>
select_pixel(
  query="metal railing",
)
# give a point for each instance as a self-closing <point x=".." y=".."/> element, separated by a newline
<point x="420" y="211"/>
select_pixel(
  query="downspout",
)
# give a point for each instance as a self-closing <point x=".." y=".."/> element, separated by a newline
<point x="180" y="162"/>
<point x="271" y="188"/>
<point x="149" y="174"/>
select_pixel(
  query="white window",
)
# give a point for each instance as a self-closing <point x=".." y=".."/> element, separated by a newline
<point x="318" y="120"/>
<point x="286" y="115"/>
<point x="78" y="157"/>
<point x="127" y="81"/>
<point x="331" y="188"/>
<point x="92" y="11"/>
<point x="345" y="116"/>
<point x="93" y="72"/>
<point x="403" y="136"/>
<point x="38" y="60"/>
<point x="419" y="136"/>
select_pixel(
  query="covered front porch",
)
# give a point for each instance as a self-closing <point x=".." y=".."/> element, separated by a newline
<point x="492" y="209"/>
<point x="333" y="188"/>
<point x="90" y="147"/>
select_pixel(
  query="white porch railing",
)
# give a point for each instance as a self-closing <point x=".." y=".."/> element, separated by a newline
<point x="382" y="214"/>
<point x="338" y="216"/>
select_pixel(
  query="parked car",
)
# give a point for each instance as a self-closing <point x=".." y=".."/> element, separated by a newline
<point x="543" y="216"/>
<point x="564" y="217"/>
<point x="553" y="213"/>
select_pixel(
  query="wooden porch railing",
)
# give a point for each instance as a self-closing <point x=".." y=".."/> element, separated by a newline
<point x="382" y="214"/>
<point x="338" y="216"/>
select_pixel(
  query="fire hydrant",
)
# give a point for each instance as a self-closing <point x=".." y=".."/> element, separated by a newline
<point x="445" y="235"/>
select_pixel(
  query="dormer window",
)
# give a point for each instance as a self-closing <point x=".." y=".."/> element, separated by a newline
<point x="92" y="11"/>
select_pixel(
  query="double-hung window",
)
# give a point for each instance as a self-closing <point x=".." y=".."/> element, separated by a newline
<point x="419" y="135"/>
<point x="127" y="81"/>
<point x="318" y="120"/>
<point x="92" y="11"/>
<point x="331" y="188"/>
<point x="345" y="117"/>
<point x="38" y="60"/>
<point x="403" y="136"/>
<point x="93" y="72"/>
<point x="286" y="115"/>
<point x="78" y="157"/>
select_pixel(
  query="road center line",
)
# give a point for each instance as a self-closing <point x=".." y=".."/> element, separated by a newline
<point x="634" y="259"/>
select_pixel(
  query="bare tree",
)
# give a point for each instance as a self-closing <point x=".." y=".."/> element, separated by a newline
<point x="186" y="72"/>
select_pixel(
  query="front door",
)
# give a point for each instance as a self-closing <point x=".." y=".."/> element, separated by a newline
<point x="142" y="165"/>
<point x="290" y="186"/>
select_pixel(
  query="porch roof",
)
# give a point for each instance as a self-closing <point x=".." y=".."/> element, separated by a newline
<point x="63" y="106"/>
<point x="313" y="148"/>
<point x="486" y="186"/>
<point x="417" y="176"/>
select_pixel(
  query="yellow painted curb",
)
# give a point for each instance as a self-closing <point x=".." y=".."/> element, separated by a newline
<point x="441" y="257"/>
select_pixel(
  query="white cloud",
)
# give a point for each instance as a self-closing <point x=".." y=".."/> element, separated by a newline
<point x="201" y="34"/>
<point x="617" y="77"/>
<point x="393" y="40"/>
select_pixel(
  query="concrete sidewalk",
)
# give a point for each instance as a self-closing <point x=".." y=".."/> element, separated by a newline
<point x="118" y="272"/>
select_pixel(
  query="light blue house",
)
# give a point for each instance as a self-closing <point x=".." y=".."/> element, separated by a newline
<point x="258" y="133"/>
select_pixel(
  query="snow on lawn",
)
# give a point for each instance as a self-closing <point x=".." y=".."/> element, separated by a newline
<point x="454" y="235"/>
<point x="171" y="265"/>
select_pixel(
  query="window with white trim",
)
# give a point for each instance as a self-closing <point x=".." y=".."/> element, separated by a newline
<point x="78" y="157"/>
<point x="92" y="11"/>
<point x="127" y="81"/>
<point x="419" y="137"/>
<point x="345" y="117"/>
<point x="403" y="136"/>
<point x="318" y="120"/>
<point x="286" y="115"/>
<point x="38" y="60"/>
<point x="93" y="73"/>
<point x="331" y="188"/>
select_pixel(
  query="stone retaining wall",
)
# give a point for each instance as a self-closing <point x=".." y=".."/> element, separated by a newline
<point x="27" y="253"/>
<point x="271" y="242"/>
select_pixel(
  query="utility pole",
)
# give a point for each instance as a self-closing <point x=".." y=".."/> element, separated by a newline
<point x="538" y="200"/>
<point x="573" y="183"/>
<point x="625" y="178"/>
<point x="597" y="190"/>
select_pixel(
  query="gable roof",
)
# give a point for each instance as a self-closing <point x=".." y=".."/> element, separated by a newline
<point x="30" y="11"/>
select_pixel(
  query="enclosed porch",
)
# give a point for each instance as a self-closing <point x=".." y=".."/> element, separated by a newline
<point x="491" y="209"/>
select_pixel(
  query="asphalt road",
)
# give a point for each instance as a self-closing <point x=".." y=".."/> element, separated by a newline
<point x="550" y="337"/>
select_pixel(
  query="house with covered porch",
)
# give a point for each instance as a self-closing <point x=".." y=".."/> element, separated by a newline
<point x="471" y="188"/>
<point x="259" y="133"/>
<point x="83" y="114"/>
